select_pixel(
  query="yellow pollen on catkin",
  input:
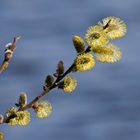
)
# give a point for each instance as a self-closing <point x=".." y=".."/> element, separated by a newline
<point x="69" y="84"/>
<point x="14" y="117"/>
<point x="116" y="27"/>
<point x="110" y="58"/>
<point x="12" y="122"/>
<point x="10" y="116"/>
<point x="44" y="109"/>
<point x="103" y="50"/>
<point x="95" y="36"/>
<point x="84" y="62"/>
<point x="23" y="117"/>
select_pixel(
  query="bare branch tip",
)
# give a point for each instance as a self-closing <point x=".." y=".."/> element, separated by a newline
<point x="16" y="38"/>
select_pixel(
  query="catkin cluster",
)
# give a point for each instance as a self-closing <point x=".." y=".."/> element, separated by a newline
<point x="97" y="38"/>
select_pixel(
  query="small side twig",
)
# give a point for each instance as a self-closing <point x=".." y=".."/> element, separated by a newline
<point x="10" y="47"/>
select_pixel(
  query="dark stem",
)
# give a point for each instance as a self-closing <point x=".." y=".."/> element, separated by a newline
<point x="54" y="85"/>
<point x="13" y="47"/>
<point x="107" y="24"/>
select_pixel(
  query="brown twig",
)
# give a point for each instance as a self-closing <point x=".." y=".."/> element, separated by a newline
<point x="8" y="54"/>
<point x="54" y="85"/>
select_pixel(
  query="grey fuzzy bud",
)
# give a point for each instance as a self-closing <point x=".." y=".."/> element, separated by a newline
<point x="22" y="99"/>
<point x="1" y="118"/>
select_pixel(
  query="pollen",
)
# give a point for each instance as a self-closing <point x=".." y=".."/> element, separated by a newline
<point x="10" y="116"/>
<point x="109" y="57"/>
<point x="116" y="27"/>
<point x="23" y="117"/>
<point x="43" y="110"/>
<point x="84" y="62"/>
<point x="95" y="36"/>
<point x="69" y="84"/>
<point x="103" y="50"/>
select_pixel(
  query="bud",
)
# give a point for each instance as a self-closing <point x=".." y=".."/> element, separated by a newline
<point x="49" y="80"/>
<point x="60" y="68"/>
<point x="78" y="44"/>
<point x="22" y="99"/>
<point x="8" y="54"/>
<point x="1" y="119"/>
<point x="8" y="46"/>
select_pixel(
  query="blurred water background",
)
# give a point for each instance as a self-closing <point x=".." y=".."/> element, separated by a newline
<point x="106" y="104"/>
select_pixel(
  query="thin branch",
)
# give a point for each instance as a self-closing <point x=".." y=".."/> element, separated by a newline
<point x="54" y="85"/>
<point x="10" y="47"/>
<point x="106" y="26"/>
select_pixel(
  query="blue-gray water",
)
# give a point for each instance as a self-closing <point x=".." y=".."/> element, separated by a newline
<point x="106" y="103"/>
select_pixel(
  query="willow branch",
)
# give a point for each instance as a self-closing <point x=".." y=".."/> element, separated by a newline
<point x="54" y="85"/>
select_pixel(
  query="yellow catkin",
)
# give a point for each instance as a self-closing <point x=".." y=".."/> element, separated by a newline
<point x="12" y="122"/>
<point x="11" y="112"/>
<point x="44" y="109"/>
<point x="116" y="27"/>
<point x="103" y="50"/>
<point x="23" y="117"/>
<point x="95" y="36"/>
<point x="84" y="62"/>
<point x="1" y="135"/>
<point x="69" y="84"/>
<point x="18" y="117"/>
<point x="110" y="58"/>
